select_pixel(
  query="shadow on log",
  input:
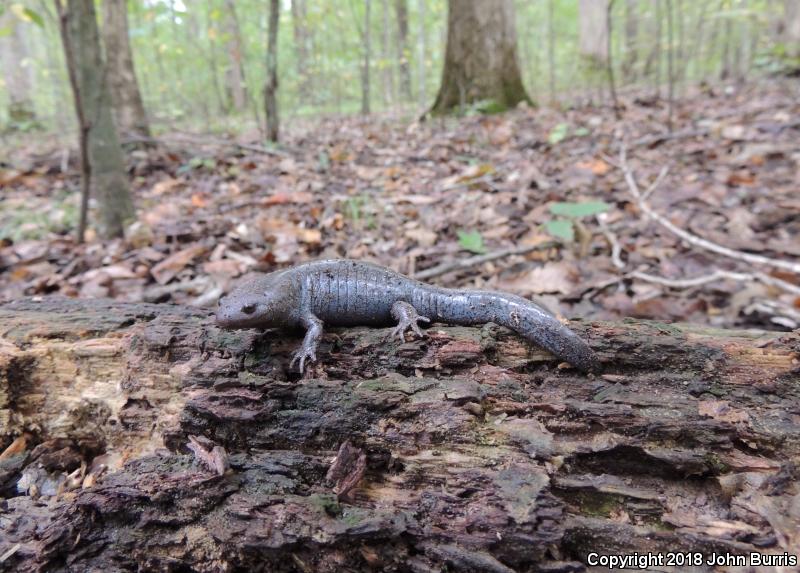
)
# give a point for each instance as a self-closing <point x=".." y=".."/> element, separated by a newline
<point x="465" y="451"/>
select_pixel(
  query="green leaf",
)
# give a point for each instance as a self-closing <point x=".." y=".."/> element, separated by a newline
<point x="323" y="161"/>
<point x="486" y="107"/>
<point x="582" y="132"/>
<point x="576" y="210"/>
<point x="26" y="14"/>
<point x="471" y="241"/>
<point x="34" y="17"/>
<point x="561" y="228"/>
<point x="558" y="133"/>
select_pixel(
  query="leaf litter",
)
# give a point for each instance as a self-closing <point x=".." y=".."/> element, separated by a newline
<point x="415" y="195"/>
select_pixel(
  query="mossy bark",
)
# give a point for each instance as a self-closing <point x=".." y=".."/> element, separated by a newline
<point x="481" y="63"/>
<point x="481" y="454"/>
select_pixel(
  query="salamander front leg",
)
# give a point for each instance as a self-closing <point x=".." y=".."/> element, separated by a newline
<point x="310" y="344"/>
<point x="407" y="318"/>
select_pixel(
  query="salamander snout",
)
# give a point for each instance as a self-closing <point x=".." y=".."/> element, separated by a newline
<point x="241" y="312"/>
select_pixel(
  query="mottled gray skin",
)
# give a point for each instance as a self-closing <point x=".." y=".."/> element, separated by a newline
<point x="348" y="293"/>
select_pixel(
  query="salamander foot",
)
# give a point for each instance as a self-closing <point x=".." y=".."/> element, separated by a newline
<point x="407" y="318"/>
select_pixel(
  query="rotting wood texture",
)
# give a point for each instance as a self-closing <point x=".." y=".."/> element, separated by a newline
<point x="481" y="454"/>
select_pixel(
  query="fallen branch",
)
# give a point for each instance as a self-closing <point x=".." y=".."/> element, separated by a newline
<point x="694" y="240"/>
<point x="458" y="265"/>
<point x="715" y="276"/>
<point x="187" y="138"/>
<point x="652" y="140"/>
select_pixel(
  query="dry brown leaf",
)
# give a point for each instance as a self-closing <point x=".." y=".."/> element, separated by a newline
<point x="165" y="186"/>
<point x="166" y="270"/>
<point x="554" y="277"/>
<point x="98" y="286"/>
<point x="119" y="271"/>
<point x="165" y="210"/>
<point x="500" y="133"/>
<point x="225" y="268"/>
<point x="469" y="174"/>
<point x="424" y="237"/>
<point x="596" y="166"/>
<point x="15" y="447"/>
<point x="199" y="200"/>
<point x="340" y="154"/>
<point x="291" y="197"/>
<point x="139" y="235"/>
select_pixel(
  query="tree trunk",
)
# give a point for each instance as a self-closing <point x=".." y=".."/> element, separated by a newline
<point x="129" y="113"/>
<point x="422" y="77"/>
<point x="301" y="32"/>
<point x="727" y="47"/>
<point x="209" y="30"/>
<point x="18" y="81"/>
<point x="791" y="27"/>
<point x="481" y="56"/>
<point x="367" y="49"/>
<point x="386" y="49"/>
<point x="593" y="32"/>
<point x="652" y="67"/>
<point x="467" y="450"/>
<point x="235" y="83"/>
<point x="670" y="65"/>
<point x="401" y="13"/>
<point x="631" y="41"/>
<point x="101" y="148"/>
<point x="612" y="84"/>
<point x="271" y="87"/>
<point x="551" y="51"/>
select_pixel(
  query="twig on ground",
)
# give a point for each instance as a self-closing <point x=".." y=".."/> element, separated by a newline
<point x="458" y="265"/>
<point x="694" y="240"/>
<point x="203" y="140"/>
<point x="662" y="137"/>
<point x="616" y="249"/>
<point x="656" y="182"/>
<point x="715" y="276"/>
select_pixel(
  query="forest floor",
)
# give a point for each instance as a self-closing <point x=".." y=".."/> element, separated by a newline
<point x="414" y="195"/>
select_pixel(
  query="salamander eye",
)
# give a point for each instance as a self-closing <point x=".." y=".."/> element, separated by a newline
<point x="249" y="308"/>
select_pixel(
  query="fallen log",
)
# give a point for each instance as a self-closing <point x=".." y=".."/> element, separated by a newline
<point x="142" y="437"/>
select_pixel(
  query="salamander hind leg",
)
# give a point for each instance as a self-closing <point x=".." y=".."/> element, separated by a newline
<point x="407" y="318"/>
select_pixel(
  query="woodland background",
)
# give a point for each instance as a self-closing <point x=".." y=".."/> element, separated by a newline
<point x="201" y="64"/>
<point x="705" y="89"/>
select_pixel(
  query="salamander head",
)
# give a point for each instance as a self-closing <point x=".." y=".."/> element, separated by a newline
<point x="249" y="306"/>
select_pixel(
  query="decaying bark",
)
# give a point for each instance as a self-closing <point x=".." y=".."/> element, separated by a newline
<point x="467" y="450"/>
